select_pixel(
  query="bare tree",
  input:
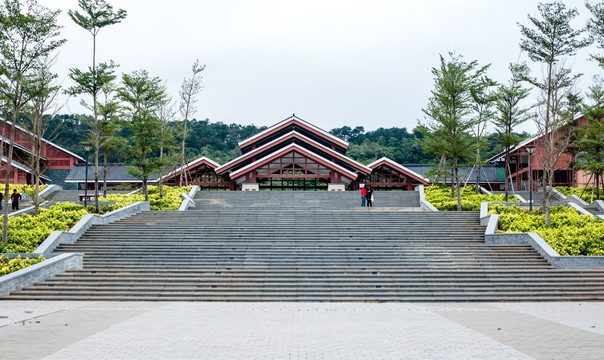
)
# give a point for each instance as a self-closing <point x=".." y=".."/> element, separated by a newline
<point x="188" y="90"/>
<point x="166" y="114"/>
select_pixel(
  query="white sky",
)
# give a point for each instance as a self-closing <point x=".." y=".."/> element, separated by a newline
<point x="332" y="62"/>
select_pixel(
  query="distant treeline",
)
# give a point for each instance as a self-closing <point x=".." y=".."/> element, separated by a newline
<point x="219" y="141"/>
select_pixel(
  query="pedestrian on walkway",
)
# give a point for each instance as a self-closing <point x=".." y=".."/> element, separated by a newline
<point x="363" y="195"/>
<point x="369" y="195"/>
<point x="15" y="198"/>
<point x="1" y="199"/>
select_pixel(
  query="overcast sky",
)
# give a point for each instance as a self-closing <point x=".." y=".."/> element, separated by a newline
<point x="331" y="62"/>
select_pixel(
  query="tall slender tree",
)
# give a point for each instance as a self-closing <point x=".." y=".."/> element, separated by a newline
<point x="449" y="112"/>
<point x="39" y="111"/>
<point x="510" y="114"/>
<point x="96" y="14"/>
<point x="595" y="26"/>
<point x="548" y="40"/>
<point x="142" y="96"/>
<point x="483" y="98"/>
<point x="27" y="34"/>
<point x="188" y="106"/>
<point x="591" y="137"/>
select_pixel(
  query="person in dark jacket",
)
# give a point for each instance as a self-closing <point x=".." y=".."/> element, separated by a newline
<point x="15" y="198"/>
<point x="369" y="194"/>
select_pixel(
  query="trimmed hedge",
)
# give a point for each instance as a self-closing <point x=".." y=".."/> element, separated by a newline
<point x="440" y="197"/>
<point x="170" y="201"/>
<point x="8" y="266"/>
<point x="570" y="233"/>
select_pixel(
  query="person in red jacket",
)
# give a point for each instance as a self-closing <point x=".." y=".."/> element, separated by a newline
<point x="363" y="196"/>
<point x="15" y="198"/>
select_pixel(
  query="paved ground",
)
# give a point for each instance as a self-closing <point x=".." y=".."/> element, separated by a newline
<point x="139" y="330"/>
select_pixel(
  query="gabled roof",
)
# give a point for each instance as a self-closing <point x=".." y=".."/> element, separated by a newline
<point x="202" y="160"/>
<point x="23" y="167"/>
<point x="19" y="146"/>
<point x="386" y="161"/>
<point x="287" y="122"/>
<point x="116" y="173"/>
<point x="291" y="135"/>
<point x="281" y="152"/>
<point x="51" y="143"/>
<point x="514" y="148"/>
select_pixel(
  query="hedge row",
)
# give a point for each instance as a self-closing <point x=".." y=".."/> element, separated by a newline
<point x="570" y="233"/>
<point x="583" y="193"/>
<point x="440" y="197"/>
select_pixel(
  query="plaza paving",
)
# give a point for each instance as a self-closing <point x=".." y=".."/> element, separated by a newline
<point x="178" y="330"/>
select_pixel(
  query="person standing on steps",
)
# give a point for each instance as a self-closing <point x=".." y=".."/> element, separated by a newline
<point x="1" y="199"/>
<point x="363" y="195"/>
<point x="369" y="195"/>
<point x="15" y="198"/>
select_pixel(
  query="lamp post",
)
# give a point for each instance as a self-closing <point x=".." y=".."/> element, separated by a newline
<point x="87" y="149"/>
<point x="530" y="149"/>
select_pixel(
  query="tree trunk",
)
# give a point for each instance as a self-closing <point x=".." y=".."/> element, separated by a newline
<point x="458" y="190"/>
<point x="161" y="156"/>
<point x="506" y="173"/>
<point x="9" y="160"/>
<point x="477" y="170"/>
<point x="104" y="174"/>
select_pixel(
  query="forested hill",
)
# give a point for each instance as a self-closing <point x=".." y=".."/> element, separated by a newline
<point x="219" y="141"/>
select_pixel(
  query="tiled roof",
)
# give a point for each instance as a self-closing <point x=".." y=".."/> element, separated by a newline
<point x="487" y="173"/>
<point x="116" y="173"/>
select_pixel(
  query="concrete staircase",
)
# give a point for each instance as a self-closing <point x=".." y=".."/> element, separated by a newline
<point x="285" y="246"/>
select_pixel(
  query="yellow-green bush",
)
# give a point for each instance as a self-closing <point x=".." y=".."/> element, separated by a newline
<point x="583" y="193"/>
<point x="23" y="189"/>
<point x="170" y="201"/>
<point x="570" y="233"/>
<point x="440" y="197"/>
<point x="8" y="266"/>
<point x="26" y="232"/>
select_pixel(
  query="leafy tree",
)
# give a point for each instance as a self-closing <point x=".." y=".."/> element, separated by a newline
<point x="27" y="34"/>
<point x="142" y="96"/>
<point x="511" y="114"/>
<point x="96" y="15"/>
<point x="591" y="136"/>
<point x="188" y="90"/>
<point x="483" y="102"/>
<point x="547" y="41"/>
<point x="595" y="26"/>
<point x="449" y="112"/>
<point x="36" y="121"/>
<point x="109" y="124"/>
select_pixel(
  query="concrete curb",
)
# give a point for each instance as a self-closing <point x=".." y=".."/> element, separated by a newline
<point x="68" y="237"/>
<point x="484" y="191"/>
<point x="187" y="201"/>
<point x="26" y="277"/>
<point x="491" y="237"/>
<point x="50" y="191"/>
<point x="577" y="200"/>
<point x="423" y="203"/>
<point x="600" y="204"/>
<point x="580" y="209"/>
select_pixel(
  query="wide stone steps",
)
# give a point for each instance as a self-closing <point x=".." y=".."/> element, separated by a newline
<point x="295" y="246"/>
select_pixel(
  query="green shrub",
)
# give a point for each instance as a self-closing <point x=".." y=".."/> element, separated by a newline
<point x="170" y="201"/>
<point x="583" y="193"/>
<point x="8" y="266"/>
<point x="22" y="189"/>
<point x="440" y="197"/>
<point x="570" y="233"/>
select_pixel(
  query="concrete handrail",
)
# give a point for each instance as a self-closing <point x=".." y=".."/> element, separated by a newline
<point x="187" y="199"/>
<point x="423" y="203"/>
<point x="26" y="277"/>
<point x="68" y="237"/>
<point x="49" y="191"/>
<point x="537" y="243"/>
